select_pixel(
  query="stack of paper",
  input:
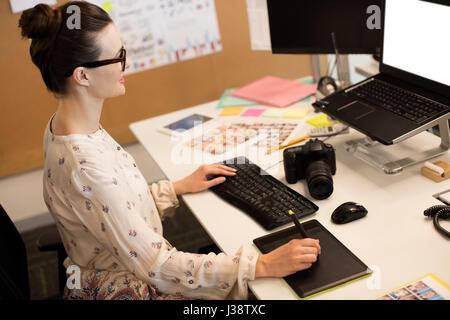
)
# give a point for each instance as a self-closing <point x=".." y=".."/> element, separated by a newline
<point x="275" y="91"/>
<point x="229" y="101"/>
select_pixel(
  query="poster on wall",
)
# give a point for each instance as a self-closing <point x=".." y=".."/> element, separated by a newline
<point x="160" y="32"/>
<point x="21" y="5"/>
<point x="258" y="22"/>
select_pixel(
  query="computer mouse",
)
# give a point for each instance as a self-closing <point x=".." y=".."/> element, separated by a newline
<point x="347" y="212"/>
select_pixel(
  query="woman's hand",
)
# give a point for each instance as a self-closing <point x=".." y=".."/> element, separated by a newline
<point x="296" y="255"/>
<point x="197" y="181"/>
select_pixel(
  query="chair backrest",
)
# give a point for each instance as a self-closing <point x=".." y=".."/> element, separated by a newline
<point x="14" y="282"/>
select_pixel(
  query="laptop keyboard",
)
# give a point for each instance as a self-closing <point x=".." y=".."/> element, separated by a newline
<point x="398" y="101"/>
<point x="260" y="195"/>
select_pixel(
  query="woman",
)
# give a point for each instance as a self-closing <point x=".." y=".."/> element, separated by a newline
<point x="108" y="218"/>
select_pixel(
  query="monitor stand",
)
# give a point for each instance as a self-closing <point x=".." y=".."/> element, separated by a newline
<point x="381" y="156"/>
<point x="343" y="69"/>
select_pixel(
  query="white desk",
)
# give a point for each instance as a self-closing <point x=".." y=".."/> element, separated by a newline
<point x="395" y="239"/>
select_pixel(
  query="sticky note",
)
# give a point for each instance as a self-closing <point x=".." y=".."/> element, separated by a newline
<point x="253" y="112"/>
<point x="107" y="6"/>
<point x="231" y="111"/>
<point x="229" y="101"/>
<point x="309" y="80"/>
<point x="273" y="113"/>
<point x="296" y="113"/>
<point x="320" y="121"/>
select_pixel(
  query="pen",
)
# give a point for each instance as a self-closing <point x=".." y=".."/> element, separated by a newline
<point x="298" y="224"/>
<point x="290" y="143"/>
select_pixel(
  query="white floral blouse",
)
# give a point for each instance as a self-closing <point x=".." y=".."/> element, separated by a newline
<point x="109" y="220"/>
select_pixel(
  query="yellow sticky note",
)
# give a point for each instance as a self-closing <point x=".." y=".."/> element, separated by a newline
<point x="297" y="113"/>
<point x="273" y="113"/>
<point x="320" y="121"/>
<point x="231" y="111"/>
<point x="107" y="6"/>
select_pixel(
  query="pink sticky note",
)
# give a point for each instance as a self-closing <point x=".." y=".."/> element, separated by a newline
<point x="253" y="112"/>
<point x="275" y="91"/>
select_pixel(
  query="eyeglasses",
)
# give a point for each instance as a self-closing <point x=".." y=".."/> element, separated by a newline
<point x="122" y="58"/>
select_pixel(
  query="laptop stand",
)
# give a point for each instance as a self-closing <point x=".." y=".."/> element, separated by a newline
<point x="380" y="157"/>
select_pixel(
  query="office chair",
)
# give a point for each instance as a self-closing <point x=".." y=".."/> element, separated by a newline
<point x="13" y="262"/>
<point x="51" y="241"/>
<point x="14" y="282"/>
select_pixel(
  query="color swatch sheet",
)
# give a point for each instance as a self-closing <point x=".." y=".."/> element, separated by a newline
<point x="428" y="287"/>
<point x="274" y="91"/>
<point x="226" y="137"/>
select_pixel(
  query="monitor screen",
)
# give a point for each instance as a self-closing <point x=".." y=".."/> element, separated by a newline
<point x="416" y="38"/>
<point x="305" y="26"/>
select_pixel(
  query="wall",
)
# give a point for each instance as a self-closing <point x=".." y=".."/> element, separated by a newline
<point x="26" y="106"/>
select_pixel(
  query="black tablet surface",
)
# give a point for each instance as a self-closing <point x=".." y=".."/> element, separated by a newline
<point x="336" y="264"/>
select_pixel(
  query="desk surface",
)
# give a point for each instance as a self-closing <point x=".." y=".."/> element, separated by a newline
<point x="395" y="239"/>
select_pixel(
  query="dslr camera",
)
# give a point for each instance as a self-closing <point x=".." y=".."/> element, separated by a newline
<point x="316" y="162"/>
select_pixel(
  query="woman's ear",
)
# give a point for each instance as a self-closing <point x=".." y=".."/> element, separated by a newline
<point x="81" y="77"/>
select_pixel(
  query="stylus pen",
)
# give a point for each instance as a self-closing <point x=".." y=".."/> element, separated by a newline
<point x="298" y="224"/>
<point x="290" y="143"/>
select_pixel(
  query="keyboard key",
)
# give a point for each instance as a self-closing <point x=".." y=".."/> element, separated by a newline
<point x="398" y="101"/>
<point x="261" y="196"/>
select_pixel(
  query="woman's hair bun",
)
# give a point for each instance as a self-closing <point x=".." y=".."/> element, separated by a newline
<point x="40" y="22"/>
<point x="58" y="49"/>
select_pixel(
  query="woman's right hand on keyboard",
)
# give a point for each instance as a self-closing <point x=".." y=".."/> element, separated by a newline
<point x="296" y="255"/>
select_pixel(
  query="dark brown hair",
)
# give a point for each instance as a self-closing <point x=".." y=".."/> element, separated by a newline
<point x="57" y="47"/>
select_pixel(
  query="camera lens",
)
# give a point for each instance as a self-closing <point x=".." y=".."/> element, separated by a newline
<point x="319" y="180"/>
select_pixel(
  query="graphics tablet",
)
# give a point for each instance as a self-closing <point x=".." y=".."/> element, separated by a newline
<point x="336" y="264"/>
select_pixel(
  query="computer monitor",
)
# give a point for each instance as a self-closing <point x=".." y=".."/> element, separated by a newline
<point x="305" y="26"/>
<point x="412" y="91"/>
<point x="414" y="49"/>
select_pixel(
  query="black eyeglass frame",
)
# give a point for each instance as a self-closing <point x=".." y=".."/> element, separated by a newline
<point x="96" y="64"/>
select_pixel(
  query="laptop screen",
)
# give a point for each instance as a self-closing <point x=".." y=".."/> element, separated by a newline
<point x="416" y="38"/>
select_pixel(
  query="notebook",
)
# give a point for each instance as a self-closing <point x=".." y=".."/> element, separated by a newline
<point x="275" y="91"/>
<point x="336" y="264"/>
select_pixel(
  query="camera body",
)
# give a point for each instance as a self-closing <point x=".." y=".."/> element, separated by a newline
<point x="316" y="162"/>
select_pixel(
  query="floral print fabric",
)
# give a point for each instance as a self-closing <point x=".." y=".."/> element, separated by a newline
<point x="109" y="220"/>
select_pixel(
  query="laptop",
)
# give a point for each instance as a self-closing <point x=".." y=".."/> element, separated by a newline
<point x="411" y="93"/>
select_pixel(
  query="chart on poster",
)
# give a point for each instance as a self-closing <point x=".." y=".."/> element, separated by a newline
<point x="157" y="33"/>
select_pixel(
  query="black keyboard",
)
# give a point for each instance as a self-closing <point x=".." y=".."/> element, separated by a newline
<point x="397" y="100"/>
<point x="260" y="195"/>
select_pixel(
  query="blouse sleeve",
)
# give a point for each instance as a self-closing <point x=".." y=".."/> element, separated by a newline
<point x="101" y="206"/>
<point x="165" y="198"/>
